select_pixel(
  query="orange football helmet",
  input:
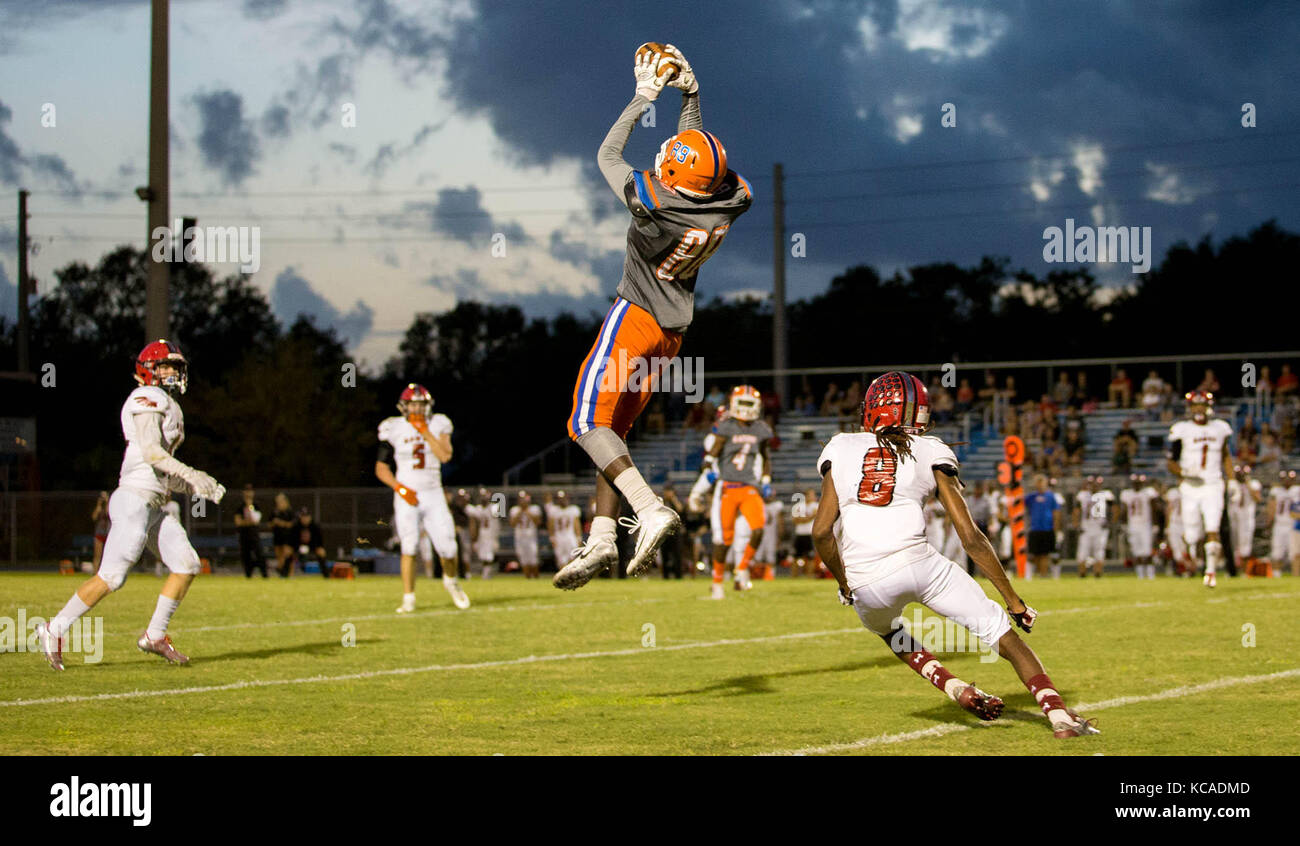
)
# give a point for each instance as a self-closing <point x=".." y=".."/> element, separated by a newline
<point x="693" y="163"/>
<point x="746" y="403"/>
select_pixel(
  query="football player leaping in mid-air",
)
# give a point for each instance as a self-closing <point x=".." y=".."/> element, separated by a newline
<point x="1200" y="458"/>
<point x="874" y="482"/>
<point x="154" y="427"/>
<point x="681" y="211"/>
<point x="741" y="450"/>
<point x="419" y="442"/>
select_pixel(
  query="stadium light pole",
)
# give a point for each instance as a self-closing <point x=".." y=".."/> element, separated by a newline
<point x="780" y="364"/>
<point x="24" y="331"/>
<point x="156" y="321"/>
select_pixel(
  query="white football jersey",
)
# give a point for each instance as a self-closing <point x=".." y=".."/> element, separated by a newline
<point x="532" y="518"/>
<point x="417" y="467"/>
<point x="1137" y="505"/>
<point x="489" y="526"/>
<point x="1282" y="497"/>
<point x="136" y="473"/>
<point x="881" y="500"/>
<point x="567" y="520"/>
<point x="772" y="512"/>
<point x="1203" y="447"/>
<point x="1174" y="498"/>
<point x="1240" y="498"/>
<point x="1094" y="509"/>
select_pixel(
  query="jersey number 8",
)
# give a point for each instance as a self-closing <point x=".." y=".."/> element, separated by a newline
<point x="878" y="479"/>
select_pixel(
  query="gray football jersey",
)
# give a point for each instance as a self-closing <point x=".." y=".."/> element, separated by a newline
<point x="744" y="440"/>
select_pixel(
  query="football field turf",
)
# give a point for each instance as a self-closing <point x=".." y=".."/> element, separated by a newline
<point x="642" y="667"/>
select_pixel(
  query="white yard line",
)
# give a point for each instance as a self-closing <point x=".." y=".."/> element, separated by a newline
<point x="432" y="668"/>
<point x="1085" y="709"/>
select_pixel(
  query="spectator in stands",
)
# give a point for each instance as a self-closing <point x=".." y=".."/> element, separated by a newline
<point x="1287" y="383"/>
<point x="1051" y="426"/>
<point x="1082" y="398"/>
<point x="1074" y="422"/>
<point x="852" y="399"/>
<point x="1154" y="392"/>
<point x="1125" y="448"/>
<point x="806" y="405"/>
<point x="307" y="535"/>
<point x="1051" y="458"/>
<point x="1286" y="416"/>
<point x="674" y="548"/>
<point x="1269" y="460"/>
<point x="282" y="536"/>
<point x="988" y="395"/>
<point x="831" y="401"/>
<point x="1264" y="392"/>
<point x="1120" y="391"/>
<point x="772" y="406"/>
<point x="1047" y="409"/>
<point x="249" y="522"/>
<point x="1063" y="391"/>
<point x="941" y="404"/>
<point x="1074" y="446"/>
<point x="715" y="397"/>
<point x="1008" y="392"/>
<point x="100" y="516"/>
<point x="1209" y="383"/>
<point x="774" y="442"/>
<point x="965" y="397"/>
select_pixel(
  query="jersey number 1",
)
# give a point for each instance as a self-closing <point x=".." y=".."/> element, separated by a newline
<point x="878" y="479"/>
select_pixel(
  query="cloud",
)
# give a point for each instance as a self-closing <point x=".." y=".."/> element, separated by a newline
<point x="458" y="213"/>
<point x="389" y="154"/>
<point x="263" y="10"/>
<point x="8" y="296"/>
<point x="292" y="295"/>
<point x="43" y="168"/>
<point x="275" y="121"/>
<point x="226" y="138"/>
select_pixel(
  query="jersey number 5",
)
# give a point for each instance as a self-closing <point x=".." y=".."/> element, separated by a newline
<point x="418" y="452"/>
<point x="692" y="251"/>
<point x="878" y="479"/>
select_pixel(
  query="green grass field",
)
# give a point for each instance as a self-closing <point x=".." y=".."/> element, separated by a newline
<point x="532" y="670"/>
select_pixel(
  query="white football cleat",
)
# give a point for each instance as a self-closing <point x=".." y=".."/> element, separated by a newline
<point x="718" y="592"/>
<point x="651" y="531"/>
<point x="587" y="562"/>
<point x="51" y="647"/>
<point x="457" y="594"/>
<point x="406" y="607"/>
<point x="742" y="580"/>
<point x="1208" y="581"/>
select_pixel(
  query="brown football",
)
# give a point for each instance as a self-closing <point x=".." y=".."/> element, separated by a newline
<point x="668" y="66"/>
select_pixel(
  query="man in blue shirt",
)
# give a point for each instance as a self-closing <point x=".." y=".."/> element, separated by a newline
<point x="1043" y="508"/>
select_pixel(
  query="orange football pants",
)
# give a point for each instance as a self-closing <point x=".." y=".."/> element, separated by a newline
<point x="742" y="498"/>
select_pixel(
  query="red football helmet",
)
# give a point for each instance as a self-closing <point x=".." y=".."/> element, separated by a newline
<point x="896" y="399"/>
<point x="413" y="395"/>
<point x="162" y="352"/>
<point x="1204" y="399"/>
<point x="693" y="163"/>
<point x="746" y="403"/>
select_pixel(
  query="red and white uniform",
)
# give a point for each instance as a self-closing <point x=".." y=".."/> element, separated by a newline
<point x="1094" y="512"/>
<point x="1140" y="527"/>
<point x="136" y="508"/>
<point x="421" y="471"/>
<point x="1201" y="461"/>
<point x="888" y="560"/>
<point x="1241" y="514"/>
<point x="489" y="531"/>
<point x="566" y="523"/>
<point x="525" y="520"/>
<point x="1174" y="528"/>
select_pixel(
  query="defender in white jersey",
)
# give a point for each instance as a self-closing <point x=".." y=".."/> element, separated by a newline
<point x="870" y="531"/>
<point x="419" y="442"/>
<point x="485" y="527"/>
<point x="1139" y="523"/>
<point x="1096" y="510"/>
<point x="153" y="426"/>
<point x="766" y="557"/>
<point x="1280" y="497"/>
<point x="1201" y="459"/>
<point x="525" y="518"/>
<point x="563" y="524"/>
<point x="1244" y="495"/>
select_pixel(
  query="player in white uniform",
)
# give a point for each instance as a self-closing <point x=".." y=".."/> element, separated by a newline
<point x="419" y="442"/>
<point x="1174" y="530"/>
<point x="1280" y="497"/>
<point x="1244" y="495"/>
<point x="1200" y="458"/>
<point x="486" y="529"/>
<point x="767" y="555"/>
<point x="1139" y="523"/>
<point x="563" y="523"/>
<point x="1095" y="513"/>
<point x="525" y="518"/>
<point x="153" y="426"/>
<point x="870" y="531"/>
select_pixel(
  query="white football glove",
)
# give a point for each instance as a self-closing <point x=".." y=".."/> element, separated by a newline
<point x="845" y="598"/>
<point x="649" y="83"/>
<point x="685" y="78"/>
<point x="205" y="486"/>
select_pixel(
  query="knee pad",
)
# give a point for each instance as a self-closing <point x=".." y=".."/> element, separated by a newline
<point x="603" y="446"/>
<point x="189" y="565"/>
<point x="114" y="580"/>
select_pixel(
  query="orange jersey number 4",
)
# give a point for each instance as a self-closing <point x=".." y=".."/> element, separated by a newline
<point x="692" y="251"/>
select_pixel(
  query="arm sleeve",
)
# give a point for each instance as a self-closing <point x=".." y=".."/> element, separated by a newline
<point x="689" y="118"/>
<point x="610" y="156"/>
<point x="385" y="453"/>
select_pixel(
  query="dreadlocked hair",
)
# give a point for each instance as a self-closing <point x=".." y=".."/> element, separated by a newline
<point x="898" y="442"/>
